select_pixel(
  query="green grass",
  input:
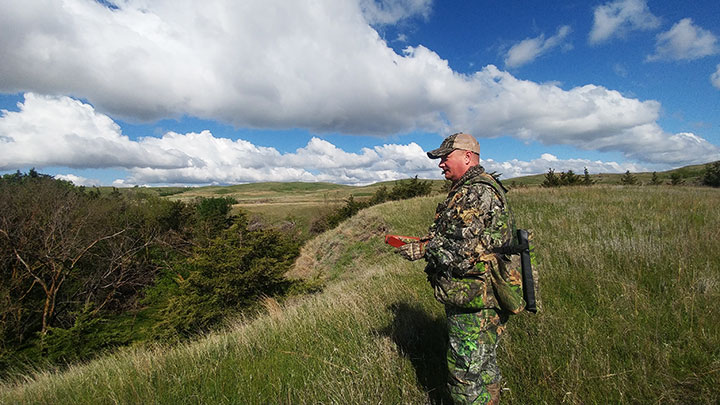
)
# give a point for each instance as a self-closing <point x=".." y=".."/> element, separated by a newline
<point x="630" y="281"/>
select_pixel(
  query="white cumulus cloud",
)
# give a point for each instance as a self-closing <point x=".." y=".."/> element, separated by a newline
<point x="203" y="158"/>
<point x="239" y="161"/>
<point x="61" y="131"/>
<point x="617" y="18"/>
<point x="715" y="78"/>
<point x="684" y="41"/>
<point x="317" y="65"/>
<point x="256" y="63"/>
<point x="530" y="49"/>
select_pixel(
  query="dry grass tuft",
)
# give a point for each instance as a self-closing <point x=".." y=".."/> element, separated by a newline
<point x="272" y="307"/>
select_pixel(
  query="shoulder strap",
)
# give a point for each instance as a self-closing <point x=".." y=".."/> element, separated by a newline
<point x="514" y="245"/>
<point x="494" y="183"/>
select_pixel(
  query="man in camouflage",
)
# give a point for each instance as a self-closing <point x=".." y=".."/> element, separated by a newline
<point x="479" y="287"/>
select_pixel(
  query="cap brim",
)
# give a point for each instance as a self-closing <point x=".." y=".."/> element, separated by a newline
<point x="439" y="152"/>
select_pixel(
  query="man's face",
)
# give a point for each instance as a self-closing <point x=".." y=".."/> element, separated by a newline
<point x="455" y="164"/>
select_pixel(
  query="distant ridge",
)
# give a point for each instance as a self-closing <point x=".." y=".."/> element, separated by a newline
<point x="690" y="175"/>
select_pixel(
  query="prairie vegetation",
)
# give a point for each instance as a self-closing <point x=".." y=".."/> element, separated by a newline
<point x="82" y="271"/>
<point x="630" y="280"/>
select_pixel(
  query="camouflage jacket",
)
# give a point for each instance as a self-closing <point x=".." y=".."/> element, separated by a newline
<point x="461" y="265"/>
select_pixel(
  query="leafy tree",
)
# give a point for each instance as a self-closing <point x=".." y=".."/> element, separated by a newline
<point x="676" y="179"/>
<point x="569" y="178"/>
<point x="66" y="253"/>
<point x="213" y="215"/>
<point x="351" y="208"/>
<point x="587" y="181"/>
<point x="712" y="175"/>
<point x="551" y="180"/>
<point x="410" y="188"/>
<point x="655" y="180"/>
<point x="46" y="229"/>
<point x="13" y="178"/>
<point x="236" y="268"/>
<point x="84" y="339"/>
<point x="380" y="196"/>
<point x="33" y="174"/>
<point x="628" y="179"/>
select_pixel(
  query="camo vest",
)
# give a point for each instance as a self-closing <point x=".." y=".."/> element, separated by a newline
<point x="469" y="225"/>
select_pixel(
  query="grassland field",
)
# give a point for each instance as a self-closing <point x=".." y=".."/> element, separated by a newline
<point x="630" y="281"/>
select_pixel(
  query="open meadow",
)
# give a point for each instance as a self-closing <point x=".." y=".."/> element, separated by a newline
<point x="630" y="281"/>
<point x="299" y="203"/>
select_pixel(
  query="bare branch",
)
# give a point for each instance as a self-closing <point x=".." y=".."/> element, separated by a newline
<point x="93" y="244"/>
<point x="30" y="271"/>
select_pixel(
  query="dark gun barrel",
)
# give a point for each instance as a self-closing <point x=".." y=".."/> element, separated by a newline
<point x="528" y="281"/>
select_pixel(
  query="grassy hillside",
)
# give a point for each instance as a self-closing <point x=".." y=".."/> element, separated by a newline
<point x="630" y="285"/>
<point x="689" y="175"/>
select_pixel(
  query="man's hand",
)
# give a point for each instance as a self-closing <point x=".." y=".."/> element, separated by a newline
<point x="412" y="251"/>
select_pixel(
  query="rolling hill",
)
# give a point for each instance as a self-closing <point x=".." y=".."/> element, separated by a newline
<point x="630" y="280"/>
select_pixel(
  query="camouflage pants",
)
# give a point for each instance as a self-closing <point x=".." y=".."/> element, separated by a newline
<point x="472" y="365"/>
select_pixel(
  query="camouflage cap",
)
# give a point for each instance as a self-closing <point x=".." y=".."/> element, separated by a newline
<point x="453" y="142"/>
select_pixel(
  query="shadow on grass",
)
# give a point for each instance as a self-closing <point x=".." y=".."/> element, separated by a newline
<point x="423" y="340"/>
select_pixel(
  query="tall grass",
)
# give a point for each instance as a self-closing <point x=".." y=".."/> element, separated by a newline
<point x="630" y="285"/>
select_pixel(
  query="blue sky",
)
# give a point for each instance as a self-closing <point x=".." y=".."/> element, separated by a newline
<point x="161" y="92"/>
